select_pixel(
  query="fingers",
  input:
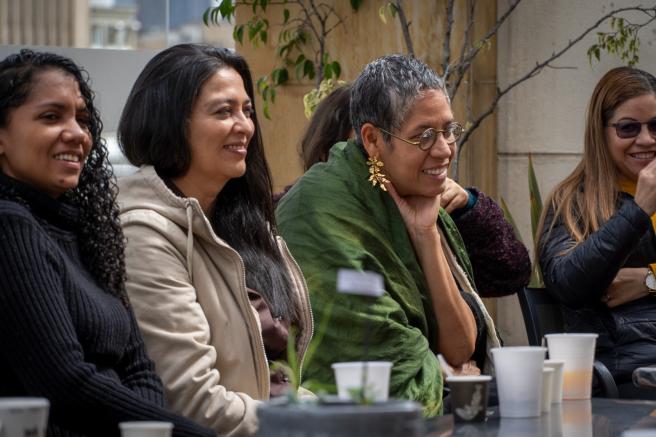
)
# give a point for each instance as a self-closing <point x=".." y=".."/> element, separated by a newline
<point x="453" y="196"/>
<point x="646" y="189"/>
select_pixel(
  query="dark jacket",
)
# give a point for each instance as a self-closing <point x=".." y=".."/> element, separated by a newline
<point x="63" y="336"/>
<point x="579" y="278"/>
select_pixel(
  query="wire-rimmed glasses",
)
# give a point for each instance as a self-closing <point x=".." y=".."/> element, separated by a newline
<point x="427" y="138"/>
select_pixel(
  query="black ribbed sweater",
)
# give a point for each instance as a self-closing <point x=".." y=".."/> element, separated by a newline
<point x="62" y="336"/>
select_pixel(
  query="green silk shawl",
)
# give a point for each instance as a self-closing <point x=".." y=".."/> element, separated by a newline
<point x="333" y="218"/>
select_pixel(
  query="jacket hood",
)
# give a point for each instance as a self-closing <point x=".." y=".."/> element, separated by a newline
<point x="145" y="190"/>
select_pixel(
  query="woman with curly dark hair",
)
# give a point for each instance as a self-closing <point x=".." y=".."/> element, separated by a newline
<point x="66" y="327"/>
<point x="214" y="290"/>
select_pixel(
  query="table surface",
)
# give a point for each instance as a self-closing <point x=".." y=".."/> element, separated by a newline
<point x="596" y="417"/>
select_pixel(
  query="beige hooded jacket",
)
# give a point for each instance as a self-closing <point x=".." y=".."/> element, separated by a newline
<point x="188" y="290"/>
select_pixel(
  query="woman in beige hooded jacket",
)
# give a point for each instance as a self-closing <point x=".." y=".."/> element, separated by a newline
<point x="215" y="293"/>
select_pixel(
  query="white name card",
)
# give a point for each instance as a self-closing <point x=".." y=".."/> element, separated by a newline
<point x="360" y="282"/>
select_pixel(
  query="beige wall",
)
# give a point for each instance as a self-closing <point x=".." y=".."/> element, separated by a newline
<point x="45" y="22"/>
<point x="363" y="38"/>
<point x="545" y="116"/>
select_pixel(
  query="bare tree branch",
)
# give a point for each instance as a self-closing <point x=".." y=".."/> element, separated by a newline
<point x="446" y="44"/>
<point x="405" y="27"/>
<point x="466" y="43"/>
<point x="539" y="66"/>
<point x="464" y="63"/>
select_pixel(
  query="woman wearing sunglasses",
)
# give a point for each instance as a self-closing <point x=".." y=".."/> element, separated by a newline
<point x="598" y="248"/>
<point x="374" y="206"/>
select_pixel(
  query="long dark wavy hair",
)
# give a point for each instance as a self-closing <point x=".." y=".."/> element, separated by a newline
<point x="153" y="131"/>
<point x="100" y="236"/>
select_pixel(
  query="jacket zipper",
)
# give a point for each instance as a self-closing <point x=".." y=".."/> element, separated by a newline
<point x="306" y="295"/>
<point x="267" y="381"/>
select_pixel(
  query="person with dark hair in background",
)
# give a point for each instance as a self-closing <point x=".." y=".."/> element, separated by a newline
<point x="330" y="124"/>
<point x="597" y="245"/>
<point x="66" y="326"/>
<point x="215" y="291"/>
<point x="375" y="205"/>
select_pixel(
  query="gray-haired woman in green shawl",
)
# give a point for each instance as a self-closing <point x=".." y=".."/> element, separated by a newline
<point x="354" y="212"/>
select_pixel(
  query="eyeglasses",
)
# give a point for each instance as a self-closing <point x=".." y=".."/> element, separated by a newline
<point x="631" y="129"/>
<point x="427" y="138"/>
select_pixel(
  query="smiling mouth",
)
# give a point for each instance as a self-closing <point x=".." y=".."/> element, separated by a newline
<point x="643" y="155"/>
<point x="236" y="147"/>
<point x="68" y="157"/>
<point x="435" y="171"/>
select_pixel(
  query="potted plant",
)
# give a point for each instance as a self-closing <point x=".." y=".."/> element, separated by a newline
<point x="329" y="415"/>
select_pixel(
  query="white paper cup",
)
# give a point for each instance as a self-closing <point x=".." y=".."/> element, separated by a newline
<point x="146" y="429"/>
<point x="547" y="388"/>
<point x="349" y="378"/>
<point x="577" y="351"/>
<point x="557" y="380"/>
<point x="24" y="417"/>
<point x="519" y="380"/>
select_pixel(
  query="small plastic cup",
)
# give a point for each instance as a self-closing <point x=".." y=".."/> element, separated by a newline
<point x="519" y="380"/>
<point x="547" y="388"/>
<point x="469" y="397"/>
<point x="557" y="380"/>
<point x="24" y="416"/>
<point x="577" y="351"/>
<point x="146" y="429"/>
<point x="349" y="378"/>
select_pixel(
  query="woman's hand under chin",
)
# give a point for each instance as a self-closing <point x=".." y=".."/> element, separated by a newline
<point x="419" y="213"/>
<point x="646" y="190"/>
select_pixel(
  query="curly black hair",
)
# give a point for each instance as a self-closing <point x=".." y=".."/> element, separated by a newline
<point x="101" y="240"/>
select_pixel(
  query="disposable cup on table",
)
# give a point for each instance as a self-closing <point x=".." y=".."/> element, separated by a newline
<point x="146" y="429"/>
<point x="577" y="351"/>
<point x="547" y="388"/>
<point x="349" y="378"/>
<point x="519" y="380"/>
<point x="24" y="416"/>
<point x="469" y="397"/>
<point x="557" y="380"/>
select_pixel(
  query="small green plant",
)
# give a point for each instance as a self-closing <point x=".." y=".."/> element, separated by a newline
<point x="535" y="206"/>
<point x="293" y="368"/>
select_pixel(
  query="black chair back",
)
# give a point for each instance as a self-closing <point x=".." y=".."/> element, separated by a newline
<point x="542" y="314"/>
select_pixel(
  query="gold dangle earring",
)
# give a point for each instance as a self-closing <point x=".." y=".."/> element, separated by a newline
<point x="375" y="175"/>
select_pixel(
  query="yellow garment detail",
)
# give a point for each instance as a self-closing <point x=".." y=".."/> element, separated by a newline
<point x="630" y="188"/>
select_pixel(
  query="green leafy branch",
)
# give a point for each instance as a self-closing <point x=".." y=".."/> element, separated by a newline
<point x="301" y="44"/>
<point x="622" y="40"/>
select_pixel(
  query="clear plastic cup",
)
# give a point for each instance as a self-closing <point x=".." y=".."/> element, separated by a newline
<point x="577" y="351"/>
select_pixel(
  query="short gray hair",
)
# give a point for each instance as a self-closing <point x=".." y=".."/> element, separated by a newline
<point x="386" y="90"/>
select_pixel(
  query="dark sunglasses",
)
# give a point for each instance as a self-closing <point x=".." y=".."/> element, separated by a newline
<point x="631" y="129"/>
